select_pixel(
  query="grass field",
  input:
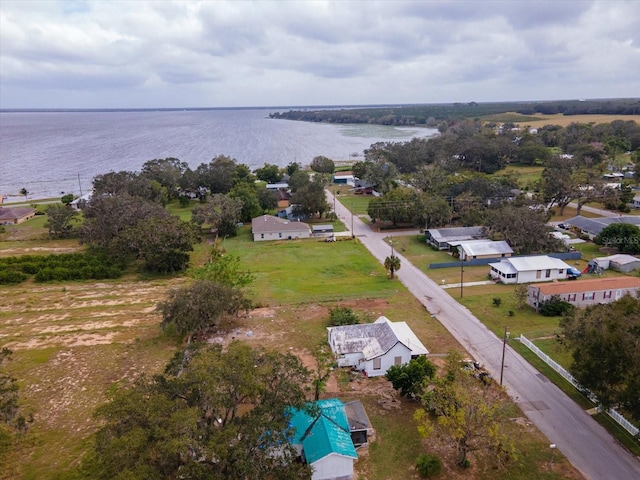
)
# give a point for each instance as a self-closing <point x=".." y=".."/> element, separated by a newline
<point x="564" y="120"/>
<point x="73" y="341"/>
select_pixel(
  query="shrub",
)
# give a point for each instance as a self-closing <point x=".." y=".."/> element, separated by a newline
<point x="342" y="316"/>
<point x="428" y="465"/>
<point x="555" y="306"/>
<point x="11" y="277"/>
<point x="497" y="301"/>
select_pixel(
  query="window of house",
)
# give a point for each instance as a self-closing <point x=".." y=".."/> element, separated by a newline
<point x="262" y="235"/>
<point x="607" y="294"/>
<point x="377" y="363"/>
<point x="538" y="273"/>
<point x="561" y="271"/>
<point x="571" y="297"/>
<point x="397" y="361"/>
<point x="547" y="274"/>
<point x="588" y="295"/>
<point x="280" y="235"/>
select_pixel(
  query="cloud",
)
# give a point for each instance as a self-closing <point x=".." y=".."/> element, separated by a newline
<point x="237" y="53"/>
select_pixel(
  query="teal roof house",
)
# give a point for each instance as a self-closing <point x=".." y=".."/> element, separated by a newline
<point x="324" y="442"/>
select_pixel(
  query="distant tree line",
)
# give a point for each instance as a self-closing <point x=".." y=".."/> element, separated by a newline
<point x="433" y="114"/>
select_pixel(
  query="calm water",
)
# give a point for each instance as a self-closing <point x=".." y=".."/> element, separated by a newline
<point x="46" y="152"/>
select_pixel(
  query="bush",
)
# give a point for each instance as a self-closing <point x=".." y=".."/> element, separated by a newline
<point x="497" y="301"/>
<point x="555" y="307"/>
<point x="342" y="316"/>
<point x="11" y="276"/>
<point x="428" y="465"/>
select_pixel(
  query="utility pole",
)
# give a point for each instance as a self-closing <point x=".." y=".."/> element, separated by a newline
<point x="504" y="348"/>
<point x="353" y="235"/>
<point x="461" y="272"/>
<point x="79" y="185"/>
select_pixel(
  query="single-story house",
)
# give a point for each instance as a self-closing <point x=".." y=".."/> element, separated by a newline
<point x="16" y="215"/>
<point x="593" y="226"/>
<point x="267" y="227"/>
<point x="374" y="347"/>
<point x="345" y="178"/>
<point x="623" y="262"/>
<point x="323" y="441"/>
<point x="535" y="268"/>
<point x="80" y="202"/>
<point x="582" y="293"/>
<point x="443" y="237"/>
<point x="473" y="249"/>
<point x="635" y="203"/>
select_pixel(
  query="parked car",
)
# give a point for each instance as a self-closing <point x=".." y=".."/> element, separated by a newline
<point x="573" y="273"/>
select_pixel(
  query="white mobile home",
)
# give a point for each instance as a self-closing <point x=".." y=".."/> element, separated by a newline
<point x="537" y="268"/>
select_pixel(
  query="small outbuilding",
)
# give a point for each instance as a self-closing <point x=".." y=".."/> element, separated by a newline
<point x="476" y="249"/>
<point x="623" y="262"/>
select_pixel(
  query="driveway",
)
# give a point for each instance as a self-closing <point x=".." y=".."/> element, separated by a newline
<point x="588" y="446"/>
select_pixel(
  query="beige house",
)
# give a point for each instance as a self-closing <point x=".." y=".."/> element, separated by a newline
<point x="268" y="227"/>
<point x="16" y="215"/>
<point x="582" y="293"/>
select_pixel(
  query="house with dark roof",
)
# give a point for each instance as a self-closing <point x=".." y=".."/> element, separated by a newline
<point x="582" y="293"/>
<point x="442" y="238"/>
<point x="374" y="347"/>
<point x="593" y="226"/>
<point x="477" y="249"/>
<point x="16" y="215"/>
<point x="323" y="440"/>
<point x="268" y="227"/>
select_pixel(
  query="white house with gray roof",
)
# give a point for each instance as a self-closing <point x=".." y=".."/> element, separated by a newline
<point x="593" y="226"/>
<point x="535" y="268"/>
<point x="374" y="347"/>
<point x="268" y="227"/>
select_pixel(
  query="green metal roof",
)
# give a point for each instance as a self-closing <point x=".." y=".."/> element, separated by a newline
<point x="324" y="434"/>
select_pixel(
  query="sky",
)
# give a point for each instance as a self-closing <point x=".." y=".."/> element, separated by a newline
<point x="188" y="54"/>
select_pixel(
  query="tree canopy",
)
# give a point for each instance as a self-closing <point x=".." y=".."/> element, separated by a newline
<point x="604" y="343"/>
<point x="213" y="414"/>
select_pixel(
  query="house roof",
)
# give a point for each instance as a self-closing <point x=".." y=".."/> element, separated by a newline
<point x="527" y="264"/>
<point x="622" y="259"/>
<point x="591" y="285"/>
<point x="271" y="224"/>
<point x="442" y="235"/>
<point x="596" y="225"/>
<point x="485" y="247"/>
<point x="357" y="415"/>
<point x="375" y="339"/>
<point x="326" y="433"/>
<point x="14" y="213"/>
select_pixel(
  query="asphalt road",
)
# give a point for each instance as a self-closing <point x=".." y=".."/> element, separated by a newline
<point x="588" y="446"/>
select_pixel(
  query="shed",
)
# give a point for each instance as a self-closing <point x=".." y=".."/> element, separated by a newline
<point x="624" y="263"/>
<point x="322" y="230"/>
<point x="443" y="237"/>
<point x="474" y="249"/>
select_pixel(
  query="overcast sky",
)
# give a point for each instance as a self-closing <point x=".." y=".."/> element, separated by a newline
<point x="164" y="53"/>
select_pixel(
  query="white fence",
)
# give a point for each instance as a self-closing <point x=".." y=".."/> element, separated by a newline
<point x="624" y="423"/>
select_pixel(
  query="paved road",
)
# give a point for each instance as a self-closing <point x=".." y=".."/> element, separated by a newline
<point x="588" y="446"/>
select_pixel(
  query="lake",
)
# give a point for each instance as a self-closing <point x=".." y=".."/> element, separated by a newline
<point x="51" y="152"/>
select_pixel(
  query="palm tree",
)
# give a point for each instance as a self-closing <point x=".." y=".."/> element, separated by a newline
<point x="25" y="192"/>
<point x="392" y="264"/>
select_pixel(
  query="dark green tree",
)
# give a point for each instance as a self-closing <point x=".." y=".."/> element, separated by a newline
<point x="67" y="199"/>
<point x="213" y="414"/>
<point x="310" y="200"/>
<point x="604" y="343"/>
<point x="167" y="172"/>
<point x="194" y="308"/>
<point x="322" y="164"/>
<point x="223" y="268"/>
<point x="60" y="220"/>
<point x="410" y="377"/>
<point x="298" y="179"/>
<point x="392" y="265"/>
<point x="221" y="213"/>
<point x="268" y="173"/>
<point x="623" y="236"/>
<point x="162" y="243"/>
<point x="247" y="193"/>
